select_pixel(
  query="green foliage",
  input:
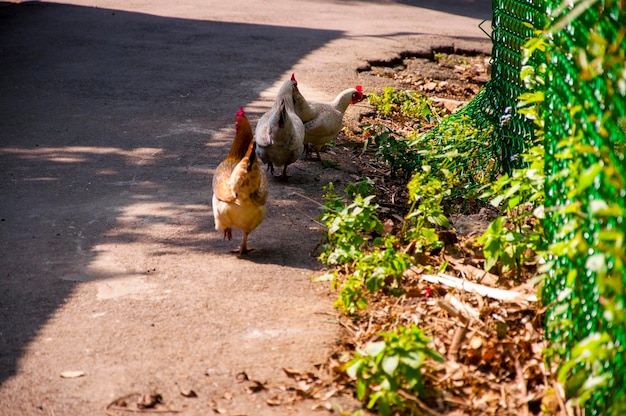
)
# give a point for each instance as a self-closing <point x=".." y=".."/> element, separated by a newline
<point x="392" y="149"/>
<point x="363" y="187"/>
<point x="575" y="70"/>
<point x="457" y="145"/>
<point x="355" y="237"/>
<point x="462" y="146"/>
<point x="350" y="226"/>
<point x="426" y="194"/>
<point x="330" y="164"/>
<point x="502" y="244"/>
<point x="585" y="372"/>
<point x="458" y="151"/>
<point x="410" y="104"/>
<point x="515" y="237"/>
<point x="381" y="268"/>
<point x="575" y="85"/>
<point x="574" y="241"/>
<point x="387" y="368"/>
<point x="397" y="150"/>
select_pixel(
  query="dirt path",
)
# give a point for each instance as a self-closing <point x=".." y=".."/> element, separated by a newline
<point x="111" y="123"/>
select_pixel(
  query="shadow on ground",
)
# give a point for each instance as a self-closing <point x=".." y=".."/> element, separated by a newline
<point x="110" y="125"/>
<point x="477" y="9"/>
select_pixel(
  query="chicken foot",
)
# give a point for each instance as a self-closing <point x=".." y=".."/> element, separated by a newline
<point x="308" y="149"/>
<point x="283" y="176"/>
<point x="243" y="249"/>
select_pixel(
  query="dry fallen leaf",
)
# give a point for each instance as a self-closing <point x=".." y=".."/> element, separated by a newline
<point x="388" y="226"/>
<point x="291" y="372"/>
<point x="241" y="377"/>
<point x="274" y="401"/>
<point x="72" y="374"/>
<point x="430" y="86"/>
<point x="323" y="406"/>
<point x="255" y="387"/>
<point x="188" y="393"/>
<point x="149" y="401"/>
<point x="550" y="403"/>
<point x="476" y="342"/>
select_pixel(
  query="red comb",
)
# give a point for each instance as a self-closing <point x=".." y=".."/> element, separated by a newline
<point x="240" y="113"/>
<point x="359" y="89"/>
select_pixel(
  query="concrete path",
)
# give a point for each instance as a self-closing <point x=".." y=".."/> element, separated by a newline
<point x="113" y="115"/>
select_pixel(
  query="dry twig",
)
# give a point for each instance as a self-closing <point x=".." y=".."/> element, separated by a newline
<point x="493" y="293"/>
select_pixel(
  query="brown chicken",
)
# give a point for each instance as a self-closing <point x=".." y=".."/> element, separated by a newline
<point x="240" y="187"/>
<point x="322" y="122"/>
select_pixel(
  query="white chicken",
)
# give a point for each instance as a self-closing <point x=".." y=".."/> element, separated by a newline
<point x="323" y="121"/>
<point x="240" y="186"/>
<point x="279" y="133"/>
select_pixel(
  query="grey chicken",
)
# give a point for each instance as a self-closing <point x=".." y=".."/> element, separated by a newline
<point x="323" y="121"/>
<point x="279" y="133"/>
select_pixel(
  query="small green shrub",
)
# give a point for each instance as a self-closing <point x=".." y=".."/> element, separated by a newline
<point x="350" y="226"/>
<point x="517" y="236"/>
<point x="410" y="104"/>
<point x="426" y="194"/>
<point x="387" y="368"/>
<point x="355" y="237"/>
<point x="392" y="149"/>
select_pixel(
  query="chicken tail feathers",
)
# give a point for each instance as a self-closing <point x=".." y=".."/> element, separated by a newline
<point x="251" y="155"/>
<point x="283" y="114"/>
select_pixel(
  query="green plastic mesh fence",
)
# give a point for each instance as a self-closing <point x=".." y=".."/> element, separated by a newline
<point x="512" y="26"/>
<point x="584" y="136"/>
<point x="493" y="109"/>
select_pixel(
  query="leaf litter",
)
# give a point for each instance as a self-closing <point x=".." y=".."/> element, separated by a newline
<point x="139" y="403"/>
<point x="491" y="333"/>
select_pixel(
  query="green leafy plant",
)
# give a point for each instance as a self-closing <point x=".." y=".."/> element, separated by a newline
<point x="378" y="269"/>
<point x="330" y="164"/>
<point x="383" y="266"/>
<point x="410" y="104"/>
<point x="517" y="236"/>
<point x="351" y="226"/>
<point x="458" y="148"/>
<point x="503" y="245"/>
<point x="426" y="194"/>
<point x="582" y="124"/>
<point x="389" y="372"/>
<point x="586" y="372"/>
<point x="392" y="149"/>
<point x="355" y="237"/>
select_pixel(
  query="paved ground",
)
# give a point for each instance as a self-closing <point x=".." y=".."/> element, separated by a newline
<point x="113" y="115"/>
